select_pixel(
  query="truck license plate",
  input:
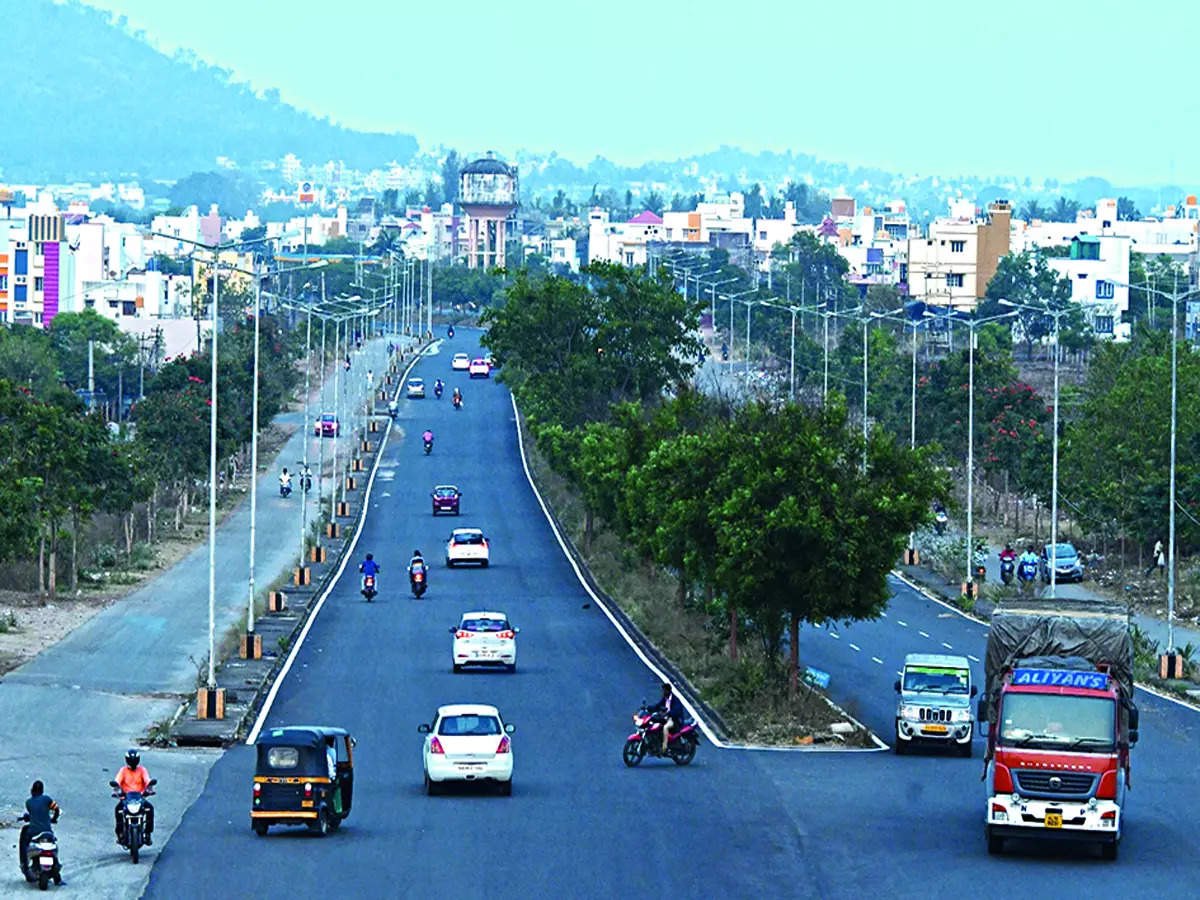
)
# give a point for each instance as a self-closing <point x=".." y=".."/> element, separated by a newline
<point x="934" y="729"/>
<point x="1053" y="820"/>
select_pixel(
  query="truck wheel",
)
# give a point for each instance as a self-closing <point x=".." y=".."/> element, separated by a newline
<point x="1109" y="851"/>
<point x="995" y="844"/>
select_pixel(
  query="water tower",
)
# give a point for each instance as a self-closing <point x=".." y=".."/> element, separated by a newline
<point x="488" y="192"/>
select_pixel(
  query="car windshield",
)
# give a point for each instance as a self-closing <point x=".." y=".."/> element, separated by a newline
<point x="1056" y="721"/>
<point x="328" y="418"/>
<point x="415" y="382"/>
<point x="468" y="537"/>
<point x="461" y="356"/>
<point x="940" y="679"/>
<point x="469" y="725"/>
<point x="446" y="492"/>
<point x="484" y="625"/>
<point x="1061" y="551"/>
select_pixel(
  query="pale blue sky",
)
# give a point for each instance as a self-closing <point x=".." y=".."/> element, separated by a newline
<point x="1029" y="87"/>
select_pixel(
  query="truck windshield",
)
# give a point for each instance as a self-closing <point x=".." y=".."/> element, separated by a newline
<point x="936" y="679"/>
<point x="1057" y="721"/>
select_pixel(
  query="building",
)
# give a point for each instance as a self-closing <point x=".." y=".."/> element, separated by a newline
<point x="622" y="242"/>
<point x="953" y="263"/>
<point x="1173" y="235"/>
<point x="1098" y="269"/>
<point x="36" y="266"/>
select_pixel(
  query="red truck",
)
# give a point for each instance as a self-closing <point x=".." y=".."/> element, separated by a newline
<point x="1058" y="703"/>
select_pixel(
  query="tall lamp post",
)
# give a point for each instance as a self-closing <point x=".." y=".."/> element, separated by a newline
<point x="1174" y="297"/>
<point x="972" y="326"/>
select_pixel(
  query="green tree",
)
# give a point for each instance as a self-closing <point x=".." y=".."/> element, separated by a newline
<point x="1034" y="210"/>
<point x="451" y="169"/>
<point x="1064" y="210"/>
<point x="1027" y="280"/>
<point x="755" y="207"/>
<point x="1127" y="210"/>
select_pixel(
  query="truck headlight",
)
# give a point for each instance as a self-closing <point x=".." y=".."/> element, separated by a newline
<point x="961" y="715"/>
<point x="910" y="712"/>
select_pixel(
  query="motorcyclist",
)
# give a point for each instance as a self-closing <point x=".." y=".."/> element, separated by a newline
<point x="134" y="777"/>
<point x="417" y="564"/>
<point x="285" y="480"/>
<point x="438" y="387"/>
<point x="42" y="813"/>
<point x="1027" y="565"/>
<point x="450" y="331"/>
<point x="457" y="397"/>
<point x="1008" y="554"/>
<point x="671" y="710"/>
<point x="369" y="567"/>
<point x="392" y="407"/>
<point x="306" y="477"/>
<point x="427" y="436"/>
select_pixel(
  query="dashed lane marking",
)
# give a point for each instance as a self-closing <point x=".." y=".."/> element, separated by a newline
<point x="947" y="646"/>
<point x="923" y="633"/>
<point x="972" y="658"/>
<point x="902" y="623"/>
<point x="877" y="659"/>
<point x="855" y="647"/>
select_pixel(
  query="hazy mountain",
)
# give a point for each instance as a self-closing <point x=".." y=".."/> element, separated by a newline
<point x="87" y="99"/>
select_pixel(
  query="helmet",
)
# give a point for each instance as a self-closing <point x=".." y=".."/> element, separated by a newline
<point x="132" y="757"/>
<point x="369" y="556"/>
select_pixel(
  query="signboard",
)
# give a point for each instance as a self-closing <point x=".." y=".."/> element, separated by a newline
<point x="1093" y="681"/>
<point x="305" y="194"/>
<point x="816" y="677"/>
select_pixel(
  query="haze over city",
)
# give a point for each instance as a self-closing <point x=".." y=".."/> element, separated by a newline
<point x="1063" y="90"/>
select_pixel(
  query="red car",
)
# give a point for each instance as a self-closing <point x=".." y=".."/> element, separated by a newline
<point x="328" y="426"/>
<point x="446" y="498"/>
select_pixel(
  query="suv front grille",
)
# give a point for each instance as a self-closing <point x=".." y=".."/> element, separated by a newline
<point x="932" y="714"/>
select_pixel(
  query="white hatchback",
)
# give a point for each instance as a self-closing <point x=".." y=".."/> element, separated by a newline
<point x="465" y="743"/>
<point x="466" y="545"/>
<point x="479" y="368"/>
<point x="484" y="639"/>
<point x="460" y="362"/>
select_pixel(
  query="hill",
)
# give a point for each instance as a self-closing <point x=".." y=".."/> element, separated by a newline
<point x="89" y="100"/>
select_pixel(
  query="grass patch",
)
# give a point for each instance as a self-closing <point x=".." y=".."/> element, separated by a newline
<point x="751" y="694"/>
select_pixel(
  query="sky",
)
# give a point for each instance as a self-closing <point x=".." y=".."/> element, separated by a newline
<point x="1052" y="88"/>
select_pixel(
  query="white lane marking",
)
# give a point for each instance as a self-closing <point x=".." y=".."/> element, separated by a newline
<point x="902" y="623"/>
<point x="923" y="633"/>
<point x="603" y="607"/>
<point x="855" y="647"/>
<point x="947" y="646"/>
<point x="972" y="658"/>
<point x="877" y="659"/>
<point x="835" y="635"/>
<point x="883" y="615"/>
<point x="291" y="658"/>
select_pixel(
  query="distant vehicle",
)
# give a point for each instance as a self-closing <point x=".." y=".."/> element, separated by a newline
<point x="484" y="639"/>
<point x="461" y="362"/>
<point x="416" y="388"/>
<point x="934" y="702"/>
<point x="446" y="498"/>
<point x="328" y="426"/>
<point x="479" y="368"/>
<point x="466" y="545"/>
<point x="1067" y="566"/>
<point x="491" y="361"/>
<point x="467" y="742"/>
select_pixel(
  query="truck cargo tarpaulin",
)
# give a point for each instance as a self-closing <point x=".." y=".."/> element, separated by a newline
<point x="1097" y="631"/>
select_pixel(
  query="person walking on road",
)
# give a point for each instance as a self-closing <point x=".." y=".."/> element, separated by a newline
<point x="1159" y="559"/>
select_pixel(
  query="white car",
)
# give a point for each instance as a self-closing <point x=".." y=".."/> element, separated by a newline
<point x="466" y="545"/>
<point x="467" y="742"/>
<point x="416" y="388"/>
<point x="479" y="368"/>
<point x="460" y="362"/>
<point x="484" y="639"/>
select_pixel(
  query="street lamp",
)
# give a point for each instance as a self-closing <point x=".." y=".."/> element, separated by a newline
<point x="1174" y="297"/>
<point x="793" y="309"/>
<point x="972" y="326"/>
<point x="731" y="298"/>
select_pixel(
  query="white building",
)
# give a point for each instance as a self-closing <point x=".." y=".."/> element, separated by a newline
<point x="953" y="263"/>
<point x="1098" y="268"/>
<point x="1174" y="235"/>
<point x="622" y="242"/>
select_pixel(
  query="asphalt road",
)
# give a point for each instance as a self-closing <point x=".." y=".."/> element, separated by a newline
<point x="580" y="824"/>
<point x="69" y="714"/>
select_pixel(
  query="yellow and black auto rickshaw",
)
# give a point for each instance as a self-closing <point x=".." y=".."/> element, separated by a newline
<point x="304" y="776"/>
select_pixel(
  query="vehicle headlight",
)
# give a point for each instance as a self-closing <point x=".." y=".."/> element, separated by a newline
<point x="910" y="712"/>
<point x="961" y="715"/>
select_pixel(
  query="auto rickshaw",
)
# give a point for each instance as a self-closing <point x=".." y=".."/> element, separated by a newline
<point x="304" y="776"/>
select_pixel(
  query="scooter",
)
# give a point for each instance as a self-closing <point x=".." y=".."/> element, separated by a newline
<point x="1007" y="568"/>
<point x="285" y="490"/>
<point x="428" y="447"/>
<point x="647" y="740"/>
<point x="724" y="353"/>
<point x="306" y="480"/>
<point x="458" y="401"/>
<point x="980" y="566"/>
<point x="1026" y="574"/>
<point x="437" y="391"/>
<point x="368" y="587"/>
<point x="133" y="818"/>
<point x="41" y="859"/>
<point x="418" y="583"/>
<point x="392" y="409"/>
<point x="450" y="332"/>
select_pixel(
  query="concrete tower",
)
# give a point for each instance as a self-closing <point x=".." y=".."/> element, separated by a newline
<point x="488" y="192"/>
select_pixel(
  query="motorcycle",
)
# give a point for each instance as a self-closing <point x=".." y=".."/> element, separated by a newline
<point x="285" y="490"/>
<point x="133" y="818"/>
<point x="1026" y="573"/>
<point x="725" y="353"/>
<point x="392" y="410"/>
<point x="368" y="587"/>
<point x="437" y="391"/>
<point x="306" y="481"/>
<point x="1007" y="567"/>
<point x="428" y="447"/>
<point x="418" y="583"/>
<point x="647" y="740"/>
<point x="41" y="859"/>
<point x="458" y="401"/>
<point x="450" y="331"/>
<point x="979" y="566"/>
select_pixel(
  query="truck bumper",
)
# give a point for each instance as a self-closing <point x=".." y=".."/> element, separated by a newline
<point x="1009" y="816"/>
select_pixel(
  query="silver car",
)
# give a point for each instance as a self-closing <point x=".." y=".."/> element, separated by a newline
<point x="934" y="702"/>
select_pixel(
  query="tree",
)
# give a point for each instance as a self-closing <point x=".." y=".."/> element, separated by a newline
<point x="655" y="202"/>
<point x="1028" y="280"/>
<point x="754" y="202"/>
<point x="1127" y="210"/>
<point x="451" y="169"/>
<point x="1064" y="210"/>
<point x="1034" y="210"/>
<point x="257" y="233"/>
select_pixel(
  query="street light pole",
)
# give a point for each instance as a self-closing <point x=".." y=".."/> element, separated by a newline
<point x="304" y="434"/>
<point x="212" y="482"/>
<point x="254" y="453"/>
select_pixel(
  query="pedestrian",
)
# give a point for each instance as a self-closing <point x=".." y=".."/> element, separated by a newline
<point x="1159" y="559"/>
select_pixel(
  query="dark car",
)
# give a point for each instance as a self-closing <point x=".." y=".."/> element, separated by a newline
<point x="446" y="498"/>
<point x="1067" y="566"/>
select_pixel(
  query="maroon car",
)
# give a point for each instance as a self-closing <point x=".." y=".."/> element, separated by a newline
<point x="327" y="426"/>
<point x="445" y="499"/>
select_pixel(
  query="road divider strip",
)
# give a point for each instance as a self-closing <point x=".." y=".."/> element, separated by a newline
<point x="643" y="647"/>
<point x="347" y="555"/>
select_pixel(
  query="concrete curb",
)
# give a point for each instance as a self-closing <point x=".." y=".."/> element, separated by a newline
<point x="710" y="721"/>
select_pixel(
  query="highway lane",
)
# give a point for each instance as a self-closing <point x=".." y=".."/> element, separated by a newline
<point x="579" y="823"/>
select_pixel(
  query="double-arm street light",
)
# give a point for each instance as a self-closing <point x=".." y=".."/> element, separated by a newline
<point x="1174" y="297"/>
<point x="972" y="326"/>
<point x="793" y="309"/>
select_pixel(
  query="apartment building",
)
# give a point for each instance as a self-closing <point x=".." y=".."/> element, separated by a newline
<point x="1098" y="269"/>
<point x="953" y="263"/>
<point x="35" y="266"/>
